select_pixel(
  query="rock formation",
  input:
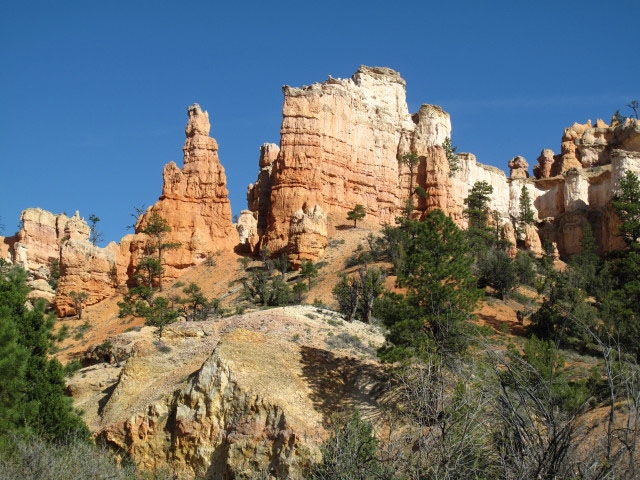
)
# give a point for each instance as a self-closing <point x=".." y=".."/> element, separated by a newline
<point x="545" y="163"/>
<point x="229" y="398"/>
<point x="307" y="235"/>
<point x="519" y="167"/>
<point x="342" y="143"/>
<point x="84" y="267"/>
<point x="194" y="201"/>
<point x="247" y="227"/>
<point x="340" y="146"/>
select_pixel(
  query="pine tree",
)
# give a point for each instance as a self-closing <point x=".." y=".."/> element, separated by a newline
<point x="13" y="361"/>
<point x="156" y="228"/>
<point x="440" y="294"/>
<point x="346" y="294"/>
<point x="308" y="271"/>
<point x="527" y="216"/>
<point x="96" y="235"/>
<point x="358" y="213"/>
<point x="452" y="157"/>
<point x="627" y="206"/>
<point x="41" y="405"/>
<point x="477" y="211"/>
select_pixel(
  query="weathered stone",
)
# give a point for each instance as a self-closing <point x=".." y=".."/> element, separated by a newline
<point x="519" y="167"/>
<point x="545" y="163"/>
<point x="194" y="201"/>
<point x="307" y="235"/>
<point x="86" y="268"/>
<point x="247" y="228"/>
<point x="532" y="241"/>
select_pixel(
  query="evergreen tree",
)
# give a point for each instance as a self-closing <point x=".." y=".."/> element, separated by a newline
<point x="627" y="206"/>
<point x="477" y="203"/>
<point x="96" y="235"/>
<point x="358" y="213"/>
<point x="350" y="452"/>
<point x="38" y="384"/>
<point x="346" y="294"/>
<point x="13" y="361"/>
<point x="452" y="157"/>
<point x="477" y="211"/>
<point x="621" y="306"/>
<point x="370" y="286"/>
<point x="527" y="216"/>
<point x="79" y="301"/>
<point x="411" y="161"/>
<point x="440" y="294"/>
<point x="156" y="228"/>
<point x="308" y="271"/>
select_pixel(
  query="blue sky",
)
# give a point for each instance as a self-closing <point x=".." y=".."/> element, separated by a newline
<point x="93" y="95"/>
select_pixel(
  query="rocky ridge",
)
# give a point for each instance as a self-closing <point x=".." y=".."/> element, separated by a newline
<point x="231" y="397"/>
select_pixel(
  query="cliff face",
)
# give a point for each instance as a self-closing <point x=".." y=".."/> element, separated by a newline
<point x="341" y="145"/>
<point x="341" y="142"/>
<point x="47" y="242"/>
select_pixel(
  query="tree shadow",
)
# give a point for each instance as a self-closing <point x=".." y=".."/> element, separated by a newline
<point x="342" y="383"/>
<point x="345" y="227"/>
<point x="512" y="328"/>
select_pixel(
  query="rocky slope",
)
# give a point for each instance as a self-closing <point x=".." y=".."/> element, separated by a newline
<point x="231" y="397"/>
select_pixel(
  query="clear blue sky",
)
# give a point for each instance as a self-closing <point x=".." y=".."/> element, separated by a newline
<point x="93" y="95"/>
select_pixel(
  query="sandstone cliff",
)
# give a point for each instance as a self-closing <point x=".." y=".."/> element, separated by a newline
<point x="340" y="145"/>
<point x="341" y="142"/>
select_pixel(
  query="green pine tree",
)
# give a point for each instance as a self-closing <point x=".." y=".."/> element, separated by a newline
<point x="441" y="292"/>
<point x="527" y="215"/>
<point x="358" y="213"/>
<point x="627" y="206"/>
<point x="40" y="405"/>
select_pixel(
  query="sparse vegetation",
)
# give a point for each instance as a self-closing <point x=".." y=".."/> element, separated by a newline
<point x="358" y="213"/>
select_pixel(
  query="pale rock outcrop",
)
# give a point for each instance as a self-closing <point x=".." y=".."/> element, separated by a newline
<point x="532" y="241"/>
<point x="569" y="158"/>
<point x="576" y="190"/>
<point x="519" y="167"/>
<point x="40" y="288"/>
<point x="509" y="234"/>
<point x="545" y="164"/>
<point x="232" y="397"/>
<point x="247" y="228"/>
<point x="470" y="172"/>
<point x="84" y="267"/>
<point x="194" y="201"/>
<point x="623" y="161"/>
<point x="307" y="235"/>
<point x="39" y="238"/>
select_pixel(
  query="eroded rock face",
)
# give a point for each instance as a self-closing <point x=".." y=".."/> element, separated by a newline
<point x="38" y="241"/>
<point x="247" y="228"/>
<point x="87" y="268"/>
<point x="339" y="146"/>
<point x="545" y="163"/>
<point x="519" y="167"/>
<point x="307" y="235"/>
<point x="194" y="200"/>
<point x="229" y="398"/>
